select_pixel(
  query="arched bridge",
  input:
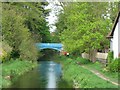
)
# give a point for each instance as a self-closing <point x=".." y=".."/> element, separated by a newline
<point x="56" y="46"/>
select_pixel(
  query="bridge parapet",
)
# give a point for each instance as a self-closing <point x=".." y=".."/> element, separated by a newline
<point x="55" y="46"/>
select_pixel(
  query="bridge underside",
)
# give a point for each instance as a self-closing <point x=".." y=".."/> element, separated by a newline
<point x="51" y="48"/>
<point x="55" y="46"/>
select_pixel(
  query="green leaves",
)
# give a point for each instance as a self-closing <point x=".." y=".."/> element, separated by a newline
<point x="82" y="26"/>
<point x="34" y="15"/>
<point x="17" y="35"/>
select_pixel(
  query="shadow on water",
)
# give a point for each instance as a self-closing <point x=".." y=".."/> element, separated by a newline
<point x="48" y="55"/>
<point x="48" y="74"/>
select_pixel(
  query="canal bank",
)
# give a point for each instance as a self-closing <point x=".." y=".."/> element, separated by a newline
<point x="13" y="69"/>
<point x="79" y="76"/>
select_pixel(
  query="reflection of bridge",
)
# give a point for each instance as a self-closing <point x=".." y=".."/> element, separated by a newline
<point x="56" y="46"/>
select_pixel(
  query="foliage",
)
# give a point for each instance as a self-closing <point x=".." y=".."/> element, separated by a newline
<point x="5" y="51"/>
<point x="110" y="57"/>
<point x="14" y="68"/>
<point x="55" y="37"/>
<point x="82" y="60"/>
<point x="114" y="66"/>
<point x="34" y="14"/>
<point x="82" y="27"/>
<point x="114" y="11"/>
<point x="17" y="35"/>
<point x="84" y="78"/>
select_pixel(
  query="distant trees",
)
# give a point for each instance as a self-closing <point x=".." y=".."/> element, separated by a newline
<point x="83" y="26"/>
<point x="23" y="24"/>
<point x="55" y="37"/>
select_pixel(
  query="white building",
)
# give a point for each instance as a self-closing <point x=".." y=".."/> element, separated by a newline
<point x="114" y="37"/>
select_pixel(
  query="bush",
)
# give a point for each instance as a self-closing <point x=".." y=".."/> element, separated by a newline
<point x="82" y="60"/>
<point x="114" y="66"/>
<point x="5" y="51"/>
<point x="110" y="57"/>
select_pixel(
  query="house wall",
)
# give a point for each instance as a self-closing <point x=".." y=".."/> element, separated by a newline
<point x="119" y="37"/>
<point x="116" y="41"/>
<point x="111" y="44"/>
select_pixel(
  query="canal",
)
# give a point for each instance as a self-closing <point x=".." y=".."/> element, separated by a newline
<point x="48" y="74"/>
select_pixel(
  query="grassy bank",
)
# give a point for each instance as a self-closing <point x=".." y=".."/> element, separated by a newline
<point x="99" y="67"/>
<point x="12" y="69"/>
<point x="81" y="77"/>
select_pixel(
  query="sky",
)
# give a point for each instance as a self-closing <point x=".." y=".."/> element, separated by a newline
<point x="52" y="18"/>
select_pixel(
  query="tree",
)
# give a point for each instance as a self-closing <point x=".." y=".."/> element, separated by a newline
<point x="17" y="35"/>
<point x="34" y="14"/>
<point x="55" y="37"/>
<point x="83" y="26"/>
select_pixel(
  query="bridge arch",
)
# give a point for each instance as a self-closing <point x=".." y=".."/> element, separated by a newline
<point x="51" y="48"/>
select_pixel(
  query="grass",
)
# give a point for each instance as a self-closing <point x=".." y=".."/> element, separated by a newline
<point x="99" y="67"/>
<point x="111" y="75"/>
<point x="14" y="68"/>
<point x="84" y="78"/>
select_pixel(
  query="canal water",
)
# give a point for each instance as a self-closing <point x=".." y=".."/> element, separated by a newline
<point x="48" y="74"/>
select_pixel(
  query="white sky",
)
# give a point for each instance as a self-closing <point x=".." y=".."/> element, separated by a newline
<point x="52" y="18"/>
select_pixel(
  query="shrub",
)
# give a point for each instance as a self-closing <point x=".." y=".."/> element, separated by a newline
<point x="114" y="66"/>
<point x="110" y="57"/>
<point x="5" y="51"/>
<point x="82" y="60"/>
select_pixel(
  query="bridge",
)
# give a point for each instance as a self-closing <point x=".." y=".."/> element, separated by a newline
<point x="55" y="46"/>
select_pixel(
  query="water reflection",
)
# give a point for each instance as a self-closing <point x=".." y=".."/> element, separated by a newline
<point x="53" y="74"/>
<point x="51" y="80"/>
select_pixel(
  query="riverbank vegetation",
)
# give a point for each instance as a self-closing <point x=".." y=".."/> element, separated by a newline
<point x="98" y="66"/>
<point x="22" y="28"/>
<point x="12" y="69"/>
<point x="83" y="78"/>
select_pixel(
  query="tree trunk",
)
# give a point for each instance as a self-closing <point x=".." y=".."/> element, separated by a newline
<point x="92" y="55"/>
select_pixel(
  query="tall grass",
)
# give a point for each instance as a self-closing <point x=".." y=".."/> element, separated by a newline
<point x="14" y="68"/>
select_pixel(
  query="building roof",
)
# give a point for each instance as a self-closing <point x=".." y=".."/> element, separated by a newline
<point x="110" y="35"/>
